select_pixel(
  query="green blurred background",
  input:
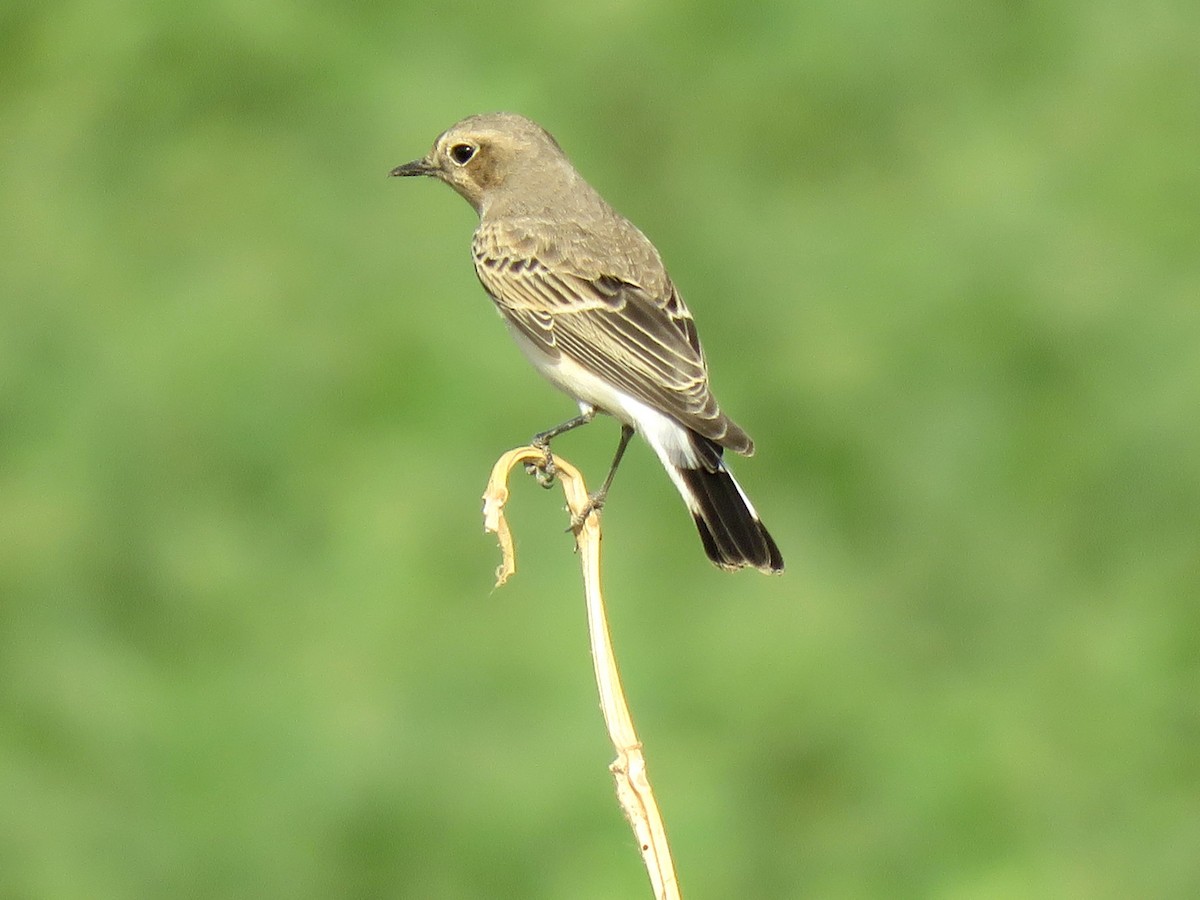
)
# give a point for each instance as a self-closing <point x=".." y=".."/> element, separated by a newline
<point x="946" y="260"/>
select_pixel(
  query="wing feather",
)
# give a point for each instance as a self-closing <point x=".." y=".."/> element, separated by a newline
<point x="641" y="341"/>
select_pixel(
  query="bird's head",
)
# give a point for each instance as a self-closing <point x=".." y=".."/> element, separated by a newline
<point x="483" y="154"/>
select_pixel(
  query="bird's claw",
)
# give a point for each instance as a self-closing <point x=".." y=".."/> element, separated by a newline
<point x="544" y="471"/>
<point x="594" y="505"/>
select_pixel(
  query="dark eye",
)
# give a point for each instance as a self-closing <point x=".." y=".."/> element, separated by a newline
<point x="462" y="153"/>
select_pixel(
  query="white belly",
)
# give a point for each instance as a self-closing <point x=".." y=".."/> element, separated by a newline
<point x="670" y="440"/>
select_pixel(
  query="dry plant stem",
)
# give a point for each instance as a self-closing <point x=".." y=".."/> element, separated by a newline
<point x="629" y="768"/>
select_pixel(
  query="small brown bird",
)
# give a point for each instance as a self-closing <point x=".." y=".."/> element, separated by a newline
<point x="587" y="298"/>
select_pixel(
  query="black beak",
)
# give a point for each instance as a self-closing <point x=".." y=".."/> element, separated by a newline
<point x="416" y="167"/>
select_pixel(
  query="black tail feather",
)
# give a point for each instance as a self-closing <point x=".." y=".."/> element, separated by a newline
<point x="731" y="531"/>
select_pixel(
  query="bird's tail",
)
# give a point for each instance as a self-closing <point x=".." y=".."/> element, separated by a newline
<point x="732" y="533"/>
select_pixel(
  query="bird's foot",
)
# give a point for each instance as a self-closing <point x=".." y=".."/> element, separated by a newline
<point x="594" y="505"/>
<point x="544" y="471"/>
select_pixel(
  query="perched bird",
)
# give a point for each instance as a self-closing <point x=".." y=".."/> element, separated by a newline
<point x="587" y="298"/>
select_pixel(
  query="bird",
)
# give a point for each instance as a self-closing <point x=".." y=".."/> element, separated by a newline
<point x="587" y="299"/>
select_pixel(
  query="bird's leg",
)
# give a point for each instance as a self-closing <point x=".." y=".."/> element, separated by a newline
<point x="596" y="498"/>
<point x="544" y="472"/>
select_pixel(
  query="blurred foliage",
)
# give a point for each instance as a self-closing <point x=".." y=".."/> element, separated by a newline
<point x="946" y="260"/>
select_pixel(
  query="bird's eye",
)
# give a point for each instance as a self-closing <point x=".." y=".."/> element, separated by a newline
<point x="462" y="153"/>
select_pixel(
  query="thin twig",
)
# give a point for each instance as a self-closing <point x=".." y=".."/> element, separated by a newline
<point x="629" y="768"/>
